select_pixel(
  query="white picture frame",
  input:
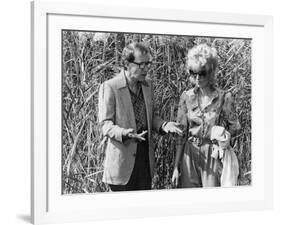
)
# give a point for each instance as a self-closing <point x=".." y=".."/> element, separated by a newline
<point x="49" y="206"/>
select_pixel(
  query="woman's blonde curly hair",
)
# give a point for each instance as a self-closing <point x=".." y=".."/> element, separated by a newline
<point x="202" y="57"/>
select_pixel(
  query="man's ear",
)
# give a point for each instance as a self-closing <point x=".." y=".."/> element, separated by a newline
<point x="126" y="64"/>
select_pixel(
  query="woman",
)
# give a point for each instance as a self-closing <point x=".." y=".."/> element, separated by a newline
<point x="201" y="110"/>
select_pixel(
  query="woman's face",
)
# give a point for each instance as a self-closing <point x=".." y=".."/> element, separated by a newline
<point x="202" y="78"/>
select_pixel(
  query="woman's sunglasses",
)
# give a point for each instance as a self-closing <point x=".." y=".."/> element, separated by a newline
<point x="201" y="73"/>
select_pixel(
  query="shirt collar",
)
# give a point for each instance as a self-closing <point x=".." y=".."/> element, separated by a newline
<point x="144" y="83"/>
<point x="195" y="94"/>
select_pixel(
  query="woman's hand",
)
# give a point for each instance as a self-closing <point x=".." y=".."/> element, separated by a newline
<point x="175" y="177"/>
<point x="221" y="135"/>
<point x="172" y="127"/>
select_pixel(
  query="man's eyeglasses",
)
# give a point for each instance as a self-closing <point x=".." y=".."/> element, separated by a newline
<point x="143" y="65"/>
<point x="201" y="73"/>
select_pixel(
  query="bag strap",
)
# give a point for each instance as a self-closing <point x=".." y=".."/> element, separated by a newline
<point x="219" y="118"/>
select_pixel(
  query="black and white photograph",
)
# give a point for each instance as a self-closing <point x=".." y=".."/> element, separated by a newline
<point x="154" y="111"/>
<point x="140" y="112"/>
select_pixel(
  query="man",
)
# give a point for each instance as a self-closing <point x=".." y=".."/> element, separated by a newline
<point x="127" y="119"/>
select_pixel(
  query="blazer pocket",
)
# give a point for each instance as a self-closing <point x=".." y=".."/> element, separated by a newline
<point x="112" y="156"/>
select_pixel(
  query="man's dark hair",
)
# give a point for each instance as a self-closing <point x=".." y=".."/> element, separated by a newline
<point x="128" y="54"/>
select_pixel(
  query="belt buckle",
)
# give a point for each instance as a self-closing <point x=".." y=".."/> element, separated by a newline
<point x="199" y="141"/>
<point x="196" y="140"/>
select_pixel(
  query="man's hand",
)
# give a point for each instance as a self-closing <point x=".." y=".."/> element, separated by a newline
<point x="130" y="134"/>
<point x="138" y="137"/>
<point x="172" y="127"/>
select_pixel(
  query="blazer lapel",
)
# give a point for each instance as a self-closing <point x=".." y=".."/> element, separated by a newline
<point x="147" y="99"/>
<point x="125" y="99"/>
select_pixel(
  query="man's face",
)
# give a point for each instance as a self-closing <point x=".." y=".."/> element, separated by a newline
<point x="139" y="68"/>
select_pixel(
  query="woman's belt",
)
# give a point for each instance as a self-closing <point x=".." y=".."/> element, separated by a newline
<point x="199" y="140"/>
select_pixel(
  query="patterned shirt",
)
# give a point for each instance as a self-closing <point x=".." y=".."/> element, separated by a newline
<point x="139" y="110"/>
<point x="198" y="120"/>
